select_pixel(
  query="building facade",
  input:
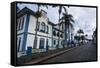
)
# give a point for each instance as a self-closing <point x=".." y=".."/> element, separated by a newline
<point x="39" y="36"/>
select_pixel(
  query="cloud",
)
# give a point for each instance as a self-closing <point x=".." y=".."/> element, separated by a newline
<point x="31" y="6"/>
<point x="85" y="17"/>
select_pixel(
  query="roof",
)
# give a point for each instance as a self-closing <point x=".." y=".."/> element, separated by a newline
<point x="25" y="11"/>
<point x="17" y="9"/>
<point x="29" y="11"/>
<point x="58" y="30"/>
<point x="49" y="22"/>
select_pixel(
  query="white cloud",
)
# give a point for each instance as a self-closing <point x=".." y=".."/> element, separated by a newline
<point x="85" y="17"/>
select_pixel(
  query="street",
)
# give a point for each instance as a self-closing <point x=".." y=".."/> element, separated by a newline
<point x="86" y="52"/>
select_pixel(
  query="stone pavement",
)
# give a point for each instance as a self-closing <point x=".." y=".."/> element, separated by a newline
<point x="87" y="52"/>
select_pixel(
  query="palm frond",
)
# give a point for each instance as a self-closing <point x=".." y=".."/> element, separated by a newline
<point x="62" y="18"/>
<point x="45" y="6"/>
<point x="72" y="26"/>
<point x="80" y="31"/>
<point x="65" y="10"/>
<point x="69" y="15"/>
<point x="60" y="9"/>
<point x="71" y="19"/>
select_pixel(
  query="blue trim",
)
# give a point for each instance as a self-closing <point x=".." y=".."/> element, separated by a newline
<point x="25" y="34"/>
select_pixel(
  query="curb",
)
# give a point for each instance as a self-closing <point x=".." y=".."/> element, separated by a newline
<point x="48" y="57"/>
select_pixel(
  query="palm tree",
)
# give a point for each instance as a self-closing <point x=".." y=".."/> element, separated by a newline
<point x="72" y="28"/>
<point x="81" y="32"/>
<point x="60" y="11"/>
<point x="86" y="36"/>
<point x="67" y="19"/>
<point x="37" y="15"/>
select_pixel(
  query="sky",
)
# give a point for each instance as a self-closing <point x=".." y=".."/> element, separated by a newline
<point x="84" y="17"/>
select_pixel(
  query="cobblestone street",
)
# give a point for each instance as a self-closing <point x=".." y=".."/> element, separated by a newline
<point x="85" y="52"/>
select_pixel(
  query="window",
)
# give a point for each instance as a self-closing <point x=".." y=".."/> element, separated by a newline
<point x="42" y="40"/>
<point x="54" y="33"/>
<point x="58" y="34"/>
<point x="47" y="29"/>
<point x="47" y="46"/>
<point x="43" y="26"/>
<point x="54" y="42"/>
<point x="47" y="42"/>
<point x="38" y="24"/>
<point x="61" y="35"/>
<point x="19" y="42"/>
<point x="20" y="23"/>
<point x="62" y="27"/>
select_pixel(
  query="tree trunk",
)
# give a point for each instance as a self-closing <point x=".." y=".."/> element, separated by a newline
<point x="59" y="33"/>
<point x="65" y="34"/>
<point x="35" y="39"/>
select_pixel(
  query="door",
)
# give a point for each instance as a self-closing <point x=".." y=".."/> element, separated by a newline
<point x="41" y="46"/>
<point x="47" y="46"/>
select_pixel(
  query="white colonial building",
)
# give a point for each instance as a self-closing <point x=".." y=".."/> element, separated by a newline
<point x="49" y="35"/>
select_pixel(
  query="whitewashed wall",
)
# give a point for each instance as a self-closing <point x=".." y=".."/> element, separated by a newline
<point x="32" y="24"/>
<point x="30" y="40"/>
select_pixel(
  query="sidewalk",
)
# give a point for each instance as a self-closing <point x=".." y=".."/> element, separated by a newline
<point x="39" y="57"/>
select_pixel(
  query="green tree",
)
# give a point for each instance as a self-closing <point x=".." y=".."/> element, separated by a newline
<point x="86" y="36"/>
<point x="80" y="31"/>
<point x="60" y="11"/>
<point x="76" y="38"/>
<point x="81" y="34"/>
<point x="67" y="19"/>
